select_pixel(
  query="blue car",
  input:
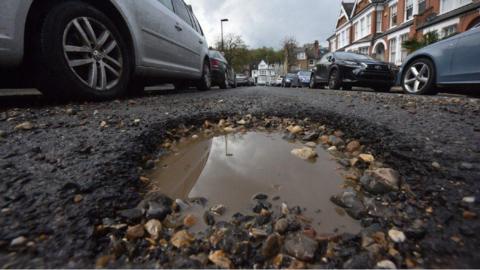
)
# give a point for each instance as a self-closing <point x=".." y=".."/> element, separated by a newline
<point x="451" y="62"/>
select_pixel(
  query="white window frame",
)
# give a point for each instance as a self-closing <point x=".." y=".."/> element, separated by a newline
<point x="391" y="17"/>
<point x="403" y="51"/>
<point x="406" y="10"/>
<point x="379" y="21"/>
<point x="456" y="4"/>
<point x="393" y="50"/>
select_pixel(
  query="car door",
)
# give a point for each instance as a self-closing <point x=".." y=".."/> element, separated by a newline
<point x="466" y="58"/>
<point x="161" y="41"/>
<point x="322" y="68"/>
<point x="190" y="42"/>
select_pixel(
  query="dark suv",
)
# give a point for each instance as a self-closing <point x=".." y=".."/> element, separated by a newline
<point x="344" y="70"/>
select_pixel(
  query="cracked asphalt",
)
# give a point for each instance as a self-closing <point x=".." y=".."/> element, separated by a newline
<point x="94" y="150"/>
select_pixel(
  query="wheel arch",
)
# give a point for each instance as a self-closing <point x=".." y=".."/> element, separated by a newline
<point x="39" y="9"/>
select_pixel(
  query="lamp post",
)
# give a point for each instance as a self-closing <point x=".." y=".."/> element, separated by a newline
<point x="221" y="25"/>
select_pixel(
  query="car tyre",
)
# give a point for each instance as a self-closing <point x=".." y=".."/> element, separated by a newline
<point x="348" y="87"/>
<point x="80" y="53"/>
<point x="224" y="84"/>
<point x="313" y="84"/>
<point x="334" y="82"/>
<point x="205" y="82"/>
<point x="419" y="77"/>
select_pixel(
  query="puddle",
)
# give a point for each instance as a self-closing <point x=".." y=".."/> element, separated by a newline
<point x="231" y="169"/>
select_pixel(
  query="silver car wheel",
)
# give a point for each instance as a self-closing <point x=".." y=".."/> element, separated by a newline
<point x="417" y="77"/>
<point x="92" y="53"/>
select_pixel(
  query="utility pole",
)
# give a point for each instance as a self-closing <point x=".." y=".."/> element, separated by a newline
<point x="221" y="26"/>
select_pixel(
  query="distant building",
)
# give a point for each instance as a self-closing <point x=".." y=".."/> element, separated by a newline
<point x="265" y="73"/>
<point x="307" y="56"/>
<point x="378" y="28"/>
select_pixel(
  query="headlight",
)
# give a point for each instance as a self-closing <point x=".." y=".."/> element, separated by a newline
<point x="287" y="80"/>
<point x="355" y="64"/>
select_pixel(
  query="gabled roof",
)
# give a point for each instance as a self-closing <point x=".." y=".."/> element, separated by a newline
<point x="348" y="8"/>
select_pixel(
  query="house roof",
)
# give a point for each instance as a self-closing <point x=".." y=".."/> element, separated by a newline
<point x="348" y="7"/>
<point x="450" y="14"/>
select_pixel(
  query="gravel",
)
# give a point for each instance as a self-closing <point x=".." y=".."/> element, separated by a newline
<point x="59" y="154"/>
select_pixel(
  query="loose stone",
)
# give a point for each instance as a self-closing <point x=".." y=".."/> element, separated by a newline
<point x="19" y="241"/>
<point x="135" y="232"/>
<point x="218" y="209"/>
<point x="295" y="129"/>
<point x="381" y="180"/>
<point x="271" y="246"/>
<point x="397" y="236"/>
<point x="24" y="126"/>
<point x="301" y="246"/>
<point x="153" y="227"/>
<point x="386" y="264"/>
<point x="281" y="225"/>
<point x="182" y="239"/>
<point x="190" y="220"/>
<point x="353" y="146"/>
<point x="220" y="259"/>
<point x="304" y="153"/>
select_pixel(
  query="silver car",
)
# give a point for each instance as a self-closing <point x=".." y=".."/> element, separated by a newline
<point x="101" y="49"/>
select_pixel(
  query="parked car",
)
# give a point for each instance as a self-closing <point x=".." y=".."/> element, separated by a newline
<point x="278" y="81"/>
<point x="102" y="49"/>
<point x="242" y="80"/>
<point x="223" y="74"/>
<point x="291" y="80"/>
<point x="345" y="70"/>
<point x="450" y="62"/>
<point x="304" y="78"/>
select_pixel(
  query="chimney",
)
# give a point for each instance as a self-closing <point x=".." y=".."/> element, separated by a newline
<point x="316" y="47"/>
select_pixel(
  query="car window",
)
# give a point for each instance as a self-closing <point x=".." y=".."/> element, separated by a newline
<point x="167" y="3"/>
<point x="181" y="11"/>
<point x="351" y="56"/>
<point x="199" y="26"/>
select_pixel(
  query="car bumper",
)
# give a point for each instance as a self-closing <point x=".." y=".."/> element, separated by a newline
<point x="360" y="77"/>
<point x="217" y="76"/>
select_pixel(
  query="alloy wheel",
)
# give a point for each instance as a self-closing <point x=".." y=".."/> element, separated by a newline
<point x="207" y="76"/>
<point x="333" y="78"/>
<point x="312" y="82"/>
<point x="417" y="77"/>
<point x="92" y="53"/>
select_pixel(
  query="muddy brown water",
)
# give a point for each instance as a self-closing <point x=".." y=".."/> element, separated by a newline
<point x="231" y="169"/>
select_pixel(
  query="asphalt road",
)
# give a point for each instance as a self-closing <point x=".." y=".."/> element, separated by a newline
<point x="433" y="141"/>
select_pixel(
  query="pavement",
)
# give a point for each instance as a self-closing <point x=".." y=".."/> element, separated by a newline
<point x="50" y="152"/>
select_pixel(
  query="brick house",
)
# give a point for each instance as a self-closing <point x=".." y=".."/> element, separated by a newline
<point x="379" y="27"/>
<point x="307" y="56"/>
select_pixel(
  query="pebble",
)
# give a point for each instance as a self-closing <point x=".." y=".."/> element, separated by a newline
<point x="218" y="209"/>
<point x="469" y="199"/>
<point x="295" y="129"/>
<point x="466" y="166"/>
<point x="182" y="239"/>
<point x="311" y="144"/>
<point x="397" y="236"/>
<point x="469" y="215"/>
<point x="285" y="209"/>
<point x="208" y="218"/>
<point x="386" y="264"/>
<point x="436" y="165"/>
<point x="77" y="198"/>
<point x="220" y="259"/>
<point x="335" y="141"/>
<point x="21" y="240"/>
<point x="154" y="228"/>
<point x="190" y="220"/>
<point x="195" y="137"/>
<point x="301" y="246"/>
<point x="135" y="232"/>
<point x="3" y="134"/>
<point x="242" y="122"/>
<point x="367" y="158"/>
<point x="281" y="225"/>
<point x="353" y="146"/>
<point x="271" y="246"/>
<point x="24" y="126"/>
<point x="380" y="181"/>
<point x="131" y="214"/>
<point x="260" y="196"/>
<point x="304" y="153"/>
<point x="310" y="137"/>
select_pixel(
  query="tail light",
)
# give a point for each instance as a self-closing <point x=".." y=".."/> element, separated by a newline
<point x="215" y="63"/>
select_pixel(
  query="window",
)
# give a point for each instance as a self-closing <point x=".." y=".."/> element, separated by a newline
<point x="408" y="10"/>
<point x="393" y="15"/>
<point x="449" y="5"/>
<point x="301" y="56"/>
<point x="362" y="27"/>
<point x="263" y="72"/>
<point x="310" y="62"/>
<point x="363" y="50"/>
<point x="369" y="24"/>
<point x="393" y="50"/>
<point x="422" y="6"/>
<point x="379" y="21"/>
<point x="181" y="11"/>
<point x="404" y="52"/>
<point x="357" y="32"/>
<point x="449" y="30"/>
<point x="167" y="3"/>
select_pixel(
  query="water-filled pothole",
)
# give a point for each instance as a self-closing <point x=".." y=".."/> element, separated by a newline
<point x="230" y="169"/>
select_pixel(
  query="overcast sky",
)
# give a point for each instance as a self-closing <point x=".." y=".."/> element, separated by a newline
<point x="267" y="22"/>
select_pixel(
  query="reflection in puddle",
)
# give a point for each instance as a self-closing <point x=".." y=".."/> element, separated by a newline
<point x="231" y="169"/>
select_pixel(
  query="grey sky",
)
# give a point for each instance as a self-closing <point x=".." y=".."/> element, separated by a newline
<point x="267" y="22"/>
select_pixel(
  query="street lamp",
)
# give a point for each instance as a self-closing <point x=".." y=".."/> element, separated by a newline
<point x="221" y="25"/>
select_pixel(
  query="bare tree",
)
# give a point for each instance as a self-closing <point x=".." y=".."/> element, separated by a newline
<point x="234" y="47"/>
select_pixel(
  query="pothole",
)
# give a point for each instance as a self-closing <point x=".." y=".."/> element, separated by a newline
<point x="230" y="169"/>
<point x="268" y="192"/>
